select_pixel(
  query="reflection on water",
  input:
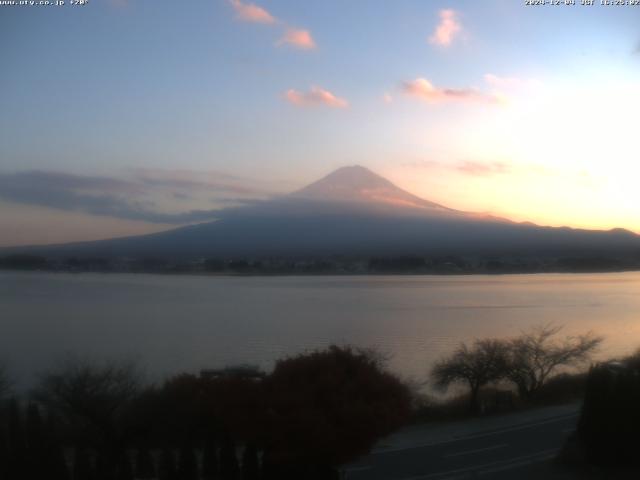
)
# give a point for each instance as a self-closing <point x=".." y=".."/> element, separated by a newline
<point x="173" y="323"/>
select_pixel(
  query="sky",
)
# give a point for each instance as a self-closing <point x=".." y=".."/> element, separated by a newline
<point x="123" y="117"/>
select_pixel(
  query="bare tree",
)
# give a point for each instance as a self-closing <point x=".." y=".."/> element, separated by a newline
<point x="478" y="365"/>
<point x="536" y="355"/>
<point x="90" y="397"/>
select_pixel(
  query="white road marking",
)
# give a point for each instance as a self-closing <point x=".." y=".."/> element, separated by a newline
<point x="490" y="467"/>
<point x="478" y="435"/>
<point x="477" y="450"/>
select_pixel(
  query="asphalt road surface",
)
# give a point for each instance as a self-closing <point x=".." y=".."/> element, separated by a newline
<point x="501" y="453"/>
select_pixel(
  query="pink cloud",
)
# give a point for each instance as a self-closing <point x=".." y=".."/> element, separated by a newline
<point x="298" y="38"/>
<point x="483" y="169"/>
<point x="316" y="96"/>
<point x="468" y="167"/>
<point x="250" y="12"/>
<point x="448" y="28"/>
<point x="423" y="89"/>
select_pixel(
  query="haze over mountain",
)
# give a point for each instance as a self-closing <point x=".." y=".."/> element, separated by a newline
<point x="355" y="212"/>
<point x="358" y="184"/>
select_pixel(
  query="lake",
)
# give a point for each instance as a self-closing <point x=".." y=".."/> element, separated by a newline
<point x="173" y="323"/>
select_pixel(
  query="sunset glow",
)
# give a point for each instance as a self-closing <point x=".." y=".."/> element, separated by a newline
<point x="525" y="113"/>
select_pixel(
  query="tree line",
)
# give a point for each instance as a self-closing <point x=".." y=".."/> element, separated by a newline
<point x="446" y="264"/>
<point x="90" y="421"/>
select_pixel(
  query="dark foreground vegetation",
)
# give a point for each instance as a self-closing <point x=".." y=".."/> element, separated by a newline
<point x="313" y="413"/>
<point x="332" y="265"/>
<point x="607" y="433"/>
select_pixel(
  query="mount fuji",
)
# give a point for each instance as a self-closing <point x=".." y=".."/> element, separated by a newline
<point x="355" y="212"/>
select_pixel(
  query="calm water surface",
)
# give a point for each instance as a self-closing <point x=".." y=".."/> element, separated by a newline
<point x="178" y="323"/>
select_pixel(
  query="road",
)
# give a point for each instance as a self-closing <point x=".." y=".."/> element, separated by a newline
<point x="499" y="453"/>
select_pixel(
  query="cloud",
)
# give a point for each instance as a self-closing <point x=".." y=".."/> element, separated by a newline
<point x="481" y="169"/>
<point x="423" y="89"/>
<point x="315" y="97"/>
<point x="297" y="38"/>
<point x="235" y="201"/>
<point x="137" y="198"/>
<point x="467" y="167"/>
<point x="426" y="164"/>
<point x="509" y="83"/>
<point x="387" y="98"/>
<point x="182" y="196"/>
<point x="76" y="193"/>
<point x="448" y="28"/>
<point x="42" y="179"/>
<point x="502" y="82"/>
<point x="250" y="12"/>
<point x="180" y="179"/>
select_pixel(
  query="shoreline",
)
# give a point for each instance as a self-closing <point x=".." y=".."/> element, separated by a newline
<point x="196" y="273"/>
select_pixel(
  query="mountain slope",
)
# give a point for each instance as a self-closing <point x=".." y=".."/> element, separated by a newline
<point x="360" y="185"/>
<point x="355" y="212"/>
